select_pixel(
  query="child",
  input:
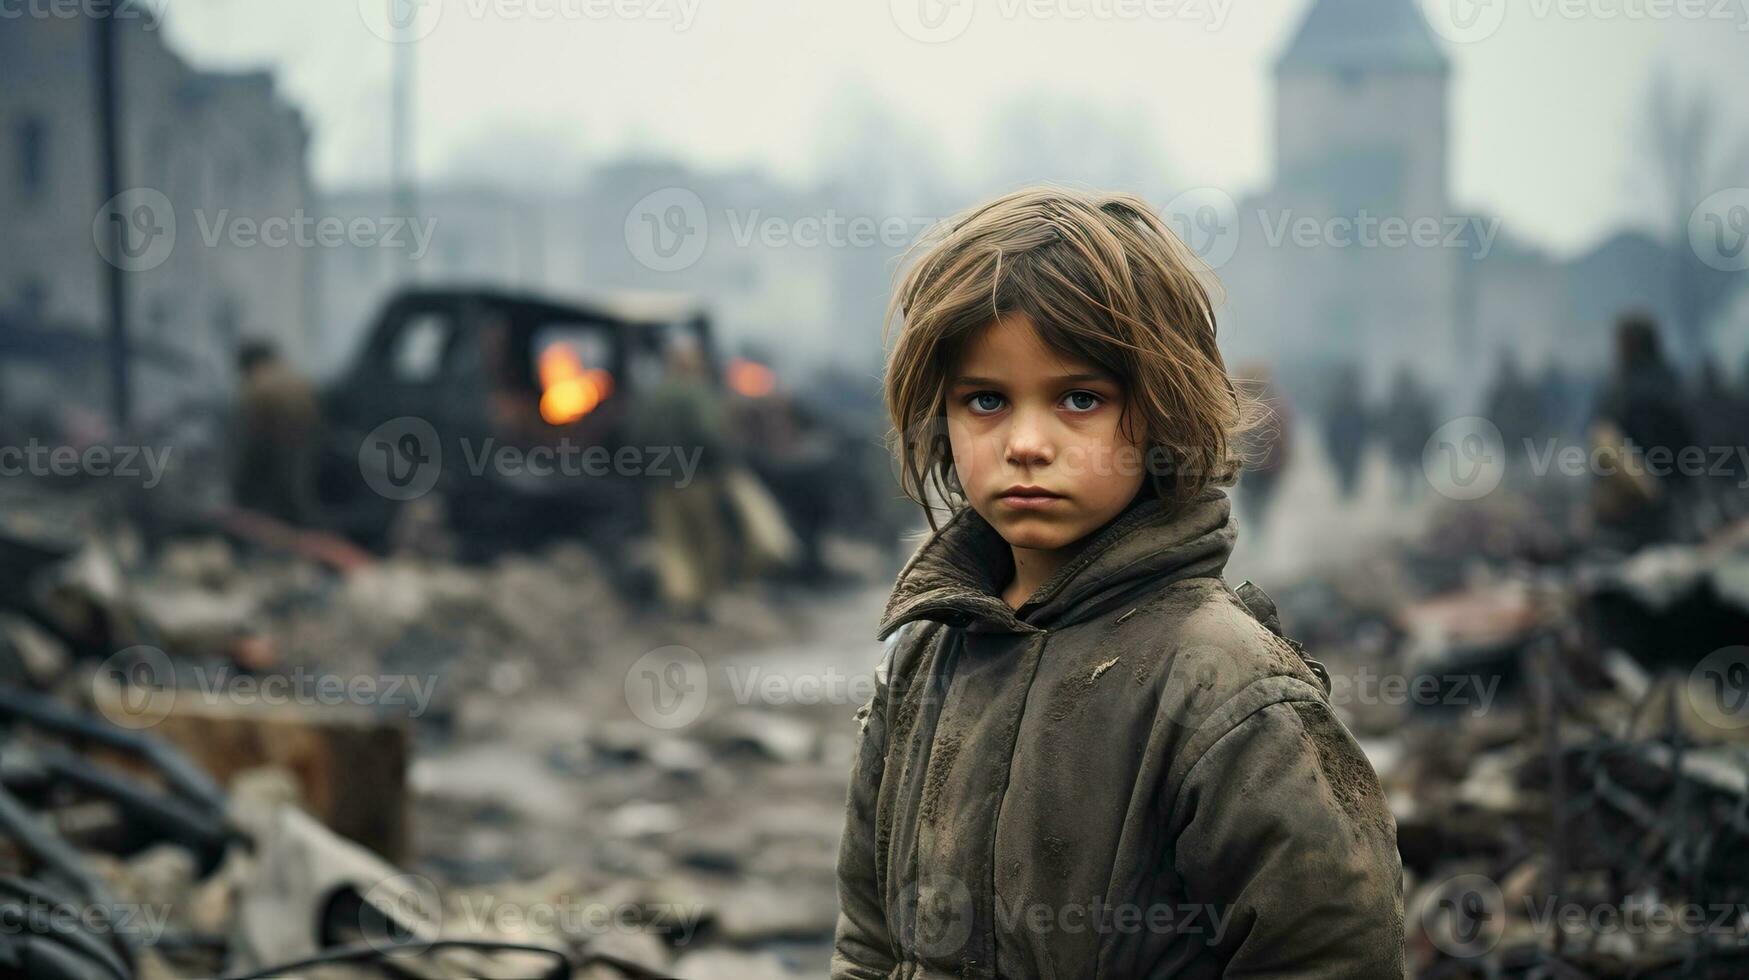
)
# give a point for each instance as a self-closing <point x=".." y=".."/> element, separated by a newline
<point x="1086" y="756"/>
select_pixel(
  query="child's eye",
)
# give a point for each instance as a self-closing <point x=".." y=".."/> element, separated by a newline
<point x="1082" y="401"/>
<point x="984" y="402"/>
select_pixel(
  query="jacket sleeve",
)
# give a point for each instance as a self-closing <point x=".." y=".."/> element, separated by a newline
<point x="1286" y="845"/>
<point x="863" y="948"/>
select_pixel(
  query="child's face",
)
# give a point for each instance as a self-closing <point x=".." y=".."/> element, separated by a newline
<point x="1019" y="414"/>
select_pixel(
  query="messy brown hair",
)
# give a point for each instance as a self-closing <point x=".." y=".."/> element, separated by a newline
<point x="1105" y="281"/>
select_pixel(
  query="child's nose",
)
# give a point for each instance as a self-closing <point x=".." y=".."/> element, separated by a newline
<point x="1029" y="441"/>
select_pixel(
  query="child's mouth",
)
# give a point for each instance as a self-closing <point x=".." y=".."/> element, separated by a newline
<point x="1030" y="499"/>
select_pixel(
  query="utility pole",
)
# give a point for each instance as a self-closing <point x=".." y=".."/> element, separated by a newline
<point x="110" y="149"/>
<point x="401" y="111"/>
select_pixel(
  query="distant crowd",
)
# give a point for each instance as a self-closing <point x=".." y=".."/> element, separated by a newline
<point x="1669" y="450"/>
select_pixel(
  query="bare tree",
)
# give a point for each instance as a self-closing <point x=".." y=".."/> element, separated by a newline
<point x="1688" y="156"/>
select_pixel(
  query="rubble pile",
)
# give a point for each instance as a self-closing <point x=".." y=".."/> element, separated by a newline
<point x="1563" y="738"/>
<point x="493" y="782"/>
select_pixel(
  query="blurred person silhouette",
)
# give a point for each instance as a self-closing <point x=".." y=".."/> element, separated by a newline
<point x="792" y="450"/>
<point x="1265" y="447"/>
<point x="687" y="517"/>
<point x="1516" y="409"/>
<point x="1639" y="499"/>
<point x="1345" y="427"/>
<point x="1738" y="500"/>
<point x="1563" y="403"/>
<point x="1719" y="428"/>
<point x="1405" y="428"/>
<point x="277" y="437"/>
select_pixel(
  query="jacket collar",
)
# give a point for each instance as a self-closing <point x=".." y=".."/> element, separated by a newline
<point x="957" y="574"/>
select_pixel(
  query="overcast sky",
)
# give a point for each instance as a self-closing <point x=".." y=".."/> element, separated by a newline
<point x="1546" y="108"/>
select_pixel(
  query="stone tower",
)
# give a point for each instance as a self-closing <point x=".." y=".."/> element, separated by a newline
<point x="1360" y="136"/>
<point x="1361" y="116"/>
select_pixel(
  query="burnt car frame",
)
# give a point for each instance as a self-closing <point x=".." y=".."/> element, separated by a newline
<point x="446" y="401"/>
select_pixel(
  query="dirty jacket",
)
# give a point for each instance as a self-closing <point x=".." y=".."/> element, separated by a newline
<point x="1128" y="776"/>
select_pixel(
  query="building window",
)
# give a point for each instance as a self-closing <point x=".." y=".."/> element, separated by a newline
<point x="33" y="168"/>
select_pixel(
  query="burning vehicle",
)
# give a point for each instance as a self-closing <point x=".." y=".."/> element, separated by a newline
<point x="509" y="415"/>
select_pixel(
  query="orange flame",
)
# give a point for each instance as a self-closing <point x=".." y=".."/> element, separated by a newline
<point x="569" y="391"/>
<point x="750" y="378"/>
